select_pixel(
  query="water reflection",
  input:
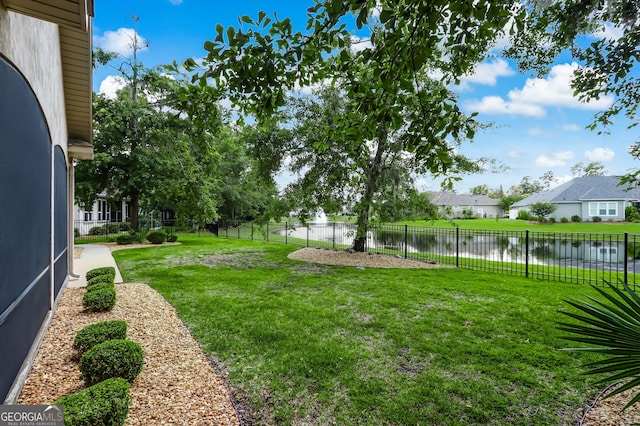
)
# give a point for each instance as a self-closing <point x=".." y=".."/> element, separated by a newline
<point x="501" y="246"/>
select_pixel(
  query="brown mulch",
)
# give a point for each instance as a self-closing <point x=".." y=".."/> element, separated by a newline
<point x="177" y="384"/>
<point x="607" y="412"/>
<point x="358" y="259"/>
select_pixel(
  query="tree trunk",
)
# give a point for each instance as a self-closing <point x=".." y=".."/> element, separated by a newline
<point x="373" y="173"/>
<point x="134" y="210"/>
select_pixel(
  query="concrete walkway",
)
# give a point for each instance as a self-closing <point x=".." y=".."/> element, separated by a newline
<point x="92" y="256"/>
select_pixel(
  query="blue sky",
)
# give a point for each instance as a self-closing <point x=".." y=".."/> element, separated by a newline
<point x="538" y="125"/>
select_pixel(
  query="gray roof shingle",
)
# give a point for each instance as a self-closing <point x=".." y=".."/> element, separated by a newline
<point x="584" y="188"/>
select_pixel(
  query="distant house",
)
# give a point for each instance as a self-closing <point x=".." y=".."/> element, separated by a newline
<point x="455" y="205"/>
<point x="586" y="197"/>
<point x="102" y="211"/>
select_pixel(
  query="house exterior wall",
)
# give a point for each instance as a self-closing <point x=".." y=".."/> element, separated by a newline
<point x="619" y="207"/>
<point x="33" y="46"/>
<point x="478" y="211"/>
<point x="34" y="175"/>
<point x="567" y="210"/>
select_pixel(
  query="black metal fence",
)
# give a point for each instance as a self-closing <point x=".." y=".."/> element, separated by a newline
<point x="572" y="257"/>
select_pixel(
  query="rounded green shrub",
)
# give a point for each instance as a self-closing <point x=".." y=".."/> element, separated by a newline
<point x="113" y="358"/>
<point x="100" y="279"/>
<point x="101" y="271"/>
<point x="124" y="239"/>
<point x="97" y="230"/>
<point x="99" y="300"/>
<point x="105" y="403"/>
<point x="101" y="286"/>
<point x="575" y="218"/>
<point x="157" y="237"/>
<point x="99" y="332"/>
<point x="112" y="228"/>
<point x="597" y="219"/>
<point x="172" y="238"/>
<point x="564" y="220"/>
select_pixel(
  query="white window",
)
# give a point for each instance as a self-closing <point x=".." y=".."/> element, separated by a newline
<point x="104" y="212"/>
<point x="603" y="209"/>
<point x="87" y="216"/>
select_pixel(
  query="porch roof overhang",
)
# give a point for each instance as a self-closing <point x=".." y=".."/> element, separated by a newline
<point x="74" y="19"/>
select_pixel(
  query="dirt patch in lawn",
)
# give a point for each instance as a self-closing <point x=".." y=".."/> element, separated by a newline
<point x="358" y="259"/>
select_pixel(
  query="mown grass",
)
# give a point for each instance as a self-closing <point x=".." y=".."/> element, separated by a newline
<point x="522" y="225"/>
<point x="314" y="344"/>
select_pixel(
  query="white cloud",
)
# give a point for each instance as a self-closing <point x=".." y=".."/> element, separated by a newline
<point x="571" y="127"/>
<point x="175" y="2"/>
<point x="538" y="93"/>
<point x="121" y="41"/>
<point x="110" y="85"/>
<point x="535" y="131"/>
<point x="514" y="154"/>
<point x="600" y="154"/>
<point x="358" y="44"/>
<point x="609" y="31"/>
<point x="487" y="73"/>
<point x="497" y="105"/>
<point x="557" y="159"/>
<point x="559" y="180"/>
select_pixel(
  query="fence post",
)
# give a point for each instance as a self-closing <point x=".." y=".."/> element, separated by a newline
<point x="286" y="232"/>
<point x="267" y="231"/>
<point x="457" y="247"/>
<point x="334" y="235"/>
<point x="251" y="230"/>
<point x="526" y="254"/>
<point x="626" y="258"/>
<point x="406" y="227"/>
<point x="239" y="231"/>
<point x="307" y="235"/>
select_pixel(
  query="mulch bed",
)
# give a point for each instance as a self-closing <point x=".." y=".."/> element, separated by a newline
<point x="177" y="384"/>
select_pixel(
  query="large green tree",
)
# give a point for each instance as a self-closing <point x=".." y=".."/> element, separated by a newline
<point x="387" y="84"/>
<point x="155" y="147"/>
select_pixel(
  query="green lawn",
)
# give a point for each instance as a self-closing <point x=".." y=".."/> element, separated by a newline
<point x="314" y="344"/>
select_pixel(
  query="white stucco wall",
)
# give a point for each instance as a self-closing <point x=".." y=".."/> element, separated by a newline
<point x="33" y="47"/>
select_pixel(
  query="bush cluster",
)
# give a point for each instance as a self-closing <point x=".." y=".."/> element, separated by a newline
<point x="124" y="239"/>
<point x="101" y="286"/>
<point x="105" y="403"/>
<point x="99" y="300"/>
<point x="99" y="332"/>
<point x="100" y="279"/>
<point x="108" y="362"/>
<point x="157" y="237"/>
<point x="575" y="218"/>
<point x="597" y="219"/>
<point x="113" y="358"/>
<point x="109" y="228"/>
<point x="172" y="238"/>
<point x="101" y="271"/>
<point x="564" y="220"/>
<point x="631" y="214"/>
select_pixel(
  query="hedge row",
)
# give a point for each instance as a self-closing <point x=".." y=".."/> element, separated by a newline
<point x="108" y="361"/>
